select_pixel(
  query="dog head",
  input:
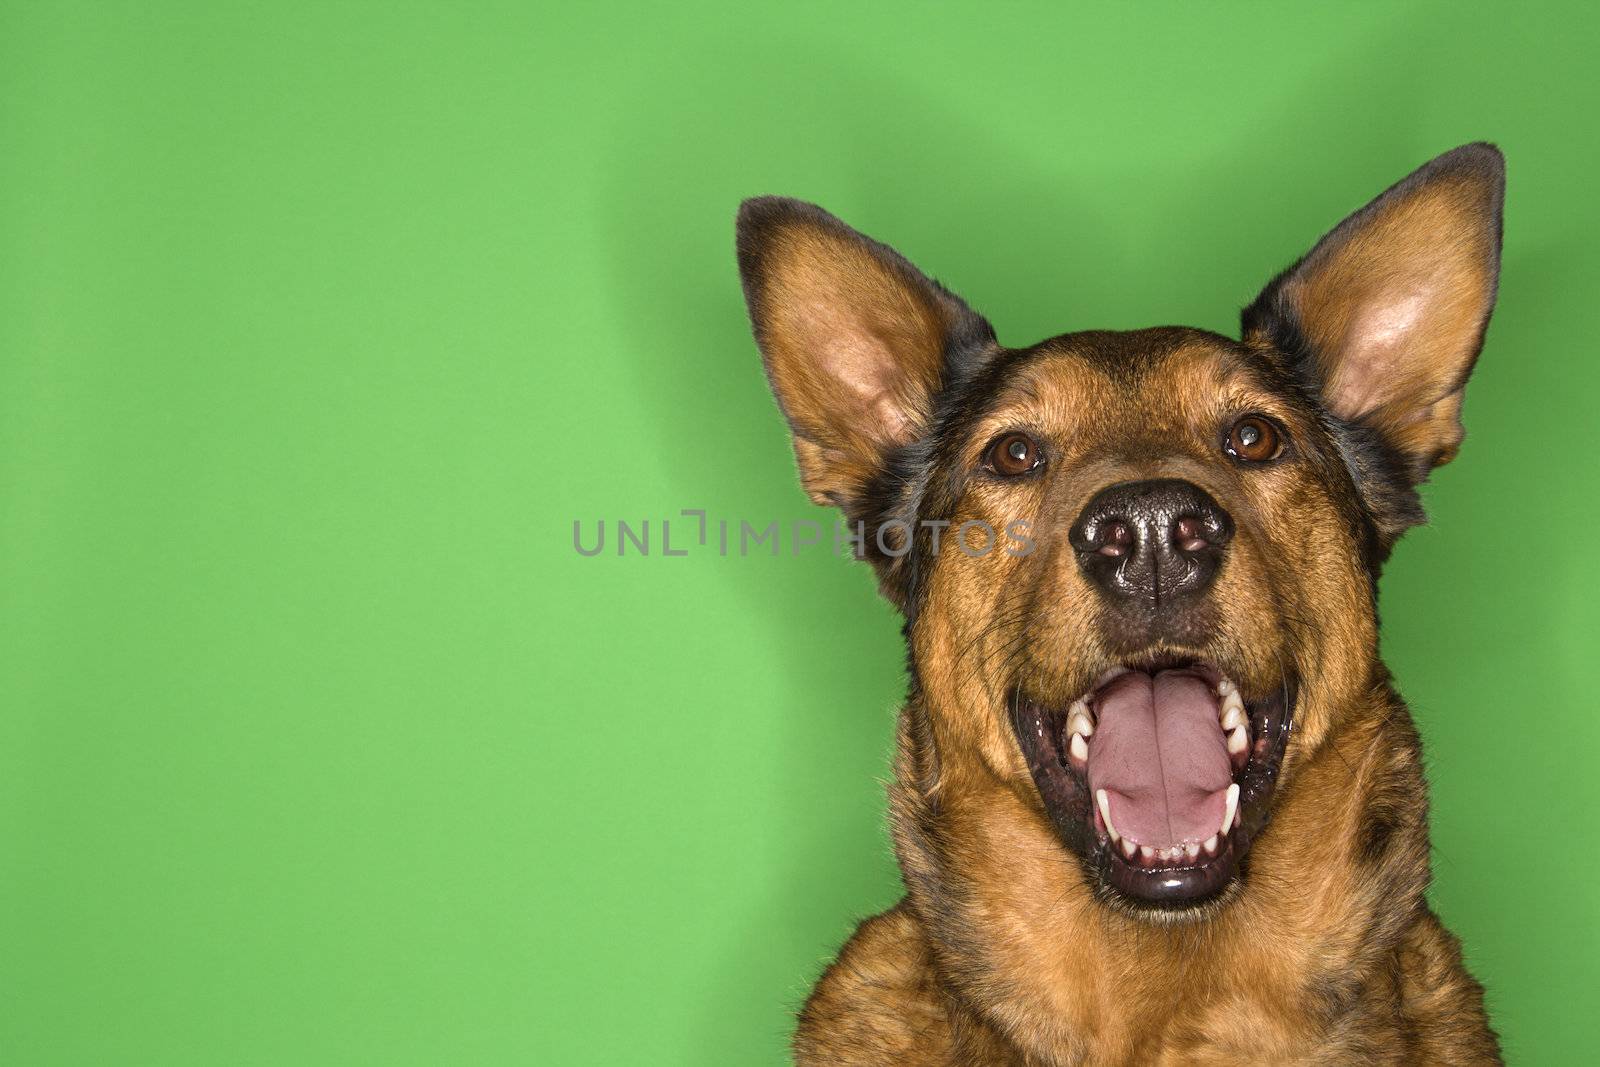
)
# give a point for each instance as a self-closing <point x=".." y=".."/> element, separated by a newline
<point x="1137" y="567"/>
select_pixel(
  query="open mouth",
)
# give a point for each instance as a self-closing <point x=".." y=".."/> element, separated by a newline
<point x="1159" y="777"/>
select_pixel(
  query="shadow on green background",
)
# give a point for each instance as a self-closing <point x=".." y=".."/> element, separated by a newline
<point x="324" y="323"/>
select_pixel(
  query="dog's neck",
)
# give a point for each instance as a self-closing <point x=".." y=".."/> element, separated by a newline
<point x="1333" y="884"/>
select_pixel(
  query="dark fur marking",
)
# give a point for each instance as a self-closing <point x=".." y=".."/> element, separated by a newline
<point x="1377" y="831"/>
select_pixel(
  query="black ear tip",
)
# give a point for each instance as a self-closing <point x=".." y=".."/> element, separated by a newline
<point x="1481" y="159"/>
<point x="758" y="218"/>
<point x="760" y="213"/>
<point x="753" y="209"/>
<point x="1486" y="151"/>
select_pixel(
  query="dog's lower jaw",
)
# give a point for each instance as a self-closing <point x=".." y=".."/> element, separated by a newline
<point x="999" y="954"/>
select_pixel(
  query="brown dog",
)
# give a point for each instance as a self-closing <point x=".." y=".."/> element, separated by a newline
<point x="1155" y="799"/>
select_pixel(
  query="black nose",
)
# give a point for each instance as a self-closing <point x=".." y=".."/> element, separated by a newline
<point x="1153" y="542"/>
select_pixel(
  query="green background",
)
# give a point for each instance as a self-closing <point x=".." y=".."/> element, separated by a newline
<point x="321" y="323"/>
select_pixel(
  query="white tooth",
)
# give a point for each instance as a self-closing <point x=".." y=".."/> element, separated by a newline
<point x="1233" y="805"/>
<point x="1210" y="845"/>
<point x="1225" y="687"/>
<point x="1232" y="716"/>
<point x="1080" y="749"/>
<point x="1105" y="813"/>
<point x="1191" y="849"/>
<point x="1146" y="853"/>
<point x="1129" y="848"/>
<point x="1079" y="721"/>
<point x="1232" y="700"/>
<point x="1238" y="741"/>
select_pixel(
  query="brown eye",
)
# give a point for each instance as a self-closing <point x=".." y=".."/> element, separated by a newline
<point x="1254" y="439"/>
<point x="1013" y="454"/>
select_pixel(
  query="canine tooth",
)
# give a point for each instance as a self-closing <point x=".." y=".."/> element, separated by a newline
<point x="1210" y="845"/>
<point x="1191" y="849"/>
<point x="1105" y="813"/>
<point x="1232" y="716"/>
<point x="1079" y="721"/>
<point x="1079" y="748"/>
<point x="1146" y="853"/>
<point x="1238" y="741"/>
<point x="1233" y="805"/>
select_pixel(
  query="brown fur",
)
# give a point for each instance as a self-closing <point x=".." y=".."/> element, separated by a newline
<point x="1324" y="950"/>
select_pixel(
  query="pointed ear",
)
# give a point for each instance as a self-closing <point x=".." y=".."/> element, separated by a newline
<point x="1385" y="316"/>
<point x="857" y="342"/>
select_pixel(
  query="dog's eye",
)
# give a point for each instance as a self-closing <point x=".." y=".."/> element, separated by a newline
<point x="1013" y="454"/>
<point x="1254" y="439"/>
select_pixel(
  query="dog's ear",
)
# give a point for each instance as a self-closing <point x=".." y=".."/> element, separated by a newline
<point x="857" y="342"/>
<point x="1385" y="316"/>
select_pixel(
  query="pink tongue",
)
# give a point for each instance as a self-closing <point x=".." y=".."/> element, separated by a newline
<point x="1159" y="753"/>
